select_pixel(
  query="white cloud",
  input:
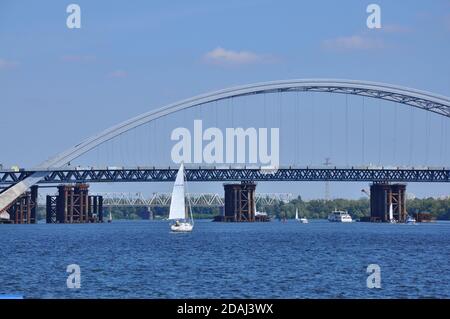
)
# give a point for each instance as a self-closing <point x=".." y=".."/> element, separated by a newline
<point x="223" y="56"/>
<point x="354" y="42"/>
<point x="8" y="64"/>
<point x="118" y="74"/>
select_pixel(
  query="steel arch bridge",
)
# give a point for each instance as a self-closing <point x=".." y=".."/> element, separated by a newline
<point x="415" y="98"/>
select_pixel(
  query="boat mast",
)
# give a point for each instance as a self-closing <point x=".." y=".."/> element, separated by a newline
<point x="189" y="212"/>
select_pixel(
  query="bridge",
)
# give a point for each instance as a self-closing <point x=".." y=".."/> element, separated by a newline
<point x="120" y="199"/>
<point x="213" y="174"/>
<point x="56" y="170"/>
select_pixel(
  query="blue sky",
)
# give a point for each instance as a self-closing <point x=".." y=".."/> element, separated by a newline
<point x="60" y="85"/>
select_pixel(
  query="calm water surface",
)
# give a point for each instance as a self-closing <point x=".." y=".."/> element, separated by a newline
<point x="142" y="259"/>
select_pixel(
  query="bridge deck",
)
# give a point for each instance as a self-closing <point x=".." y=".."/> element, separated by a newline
<point x="93" y="175"/>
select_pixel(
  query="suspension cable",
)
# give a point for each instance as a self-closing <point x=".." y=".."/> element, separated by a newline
<point x="380" y="115"/>
<point x="363" y="129"/>
<point x="136" y="147"/>
<point x="280" y="118"/>
<point x="411" y="134"/>
<point x="446" y="148"/>
<point x="313" y="129"/>
<point x="150" y="143"/>
<point x="97" y="155"/>
<point x="155" y="159"/>
<point x="216" y="111"/>
<point x="442" y="141"/>
<point x="232" y="112"/>
<point x="395" y="133"/>
<point x="330" y="127"/>
<point x="121" y="149"/>
<point x="265" y="109"/>
<point x="346" y="130"/>
<point x="427" y="137"/>
<point x="297" y="132"/>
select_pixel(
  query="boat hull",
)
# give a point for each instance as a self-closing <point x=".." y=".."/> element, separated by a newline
<point x="182" y="227"/>
<point x="340" y="217"/>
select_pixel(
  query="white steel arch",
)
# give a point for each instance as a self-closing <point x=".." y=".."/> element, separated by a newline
<point x="421" y="99"/>
<point x="412" y="97"/>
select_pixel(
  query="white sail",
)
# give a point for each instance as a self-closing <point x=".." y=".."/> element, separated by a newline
<point x="296" y="214"/>
<point x="177" y="204"/>
<point x="391" y="212"/>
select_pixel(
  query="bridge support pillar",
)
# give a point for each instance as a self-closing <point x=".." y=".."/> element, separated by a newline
<point x="73" y="204"/>
<point x="381" y="198"/>
<point x="23" y="209"/>
<point x="95" y="209"/>
<point x="240" y="205"/>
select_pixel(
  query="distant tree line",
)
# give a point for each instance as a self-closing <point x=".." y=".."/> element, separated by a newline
<point x="439" y="208"/>
<point x="312" y="209"/>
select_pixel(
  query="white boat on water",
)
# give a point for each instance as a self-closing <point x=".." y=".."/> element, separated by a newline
<point x="302" y="220"/>
<point x="184" y="222"/>
<point x="340" y="216"/>
<point x="410" y="220"/>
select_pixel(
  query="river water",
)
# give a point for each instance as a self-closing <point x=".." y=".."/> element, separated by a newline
<point x="142" y="259"/>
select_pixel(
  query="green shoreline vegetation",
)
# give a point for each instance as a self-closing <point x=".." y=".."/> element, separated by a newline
<point x="312" y="209"/>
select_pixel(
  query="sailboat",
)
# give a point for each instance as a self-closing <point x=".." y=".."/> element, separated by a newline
<point x="110" y="217"/>
<point x="178" y="213"/>
<point x="391" y="214"/>
<point x="302" y="220"/>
